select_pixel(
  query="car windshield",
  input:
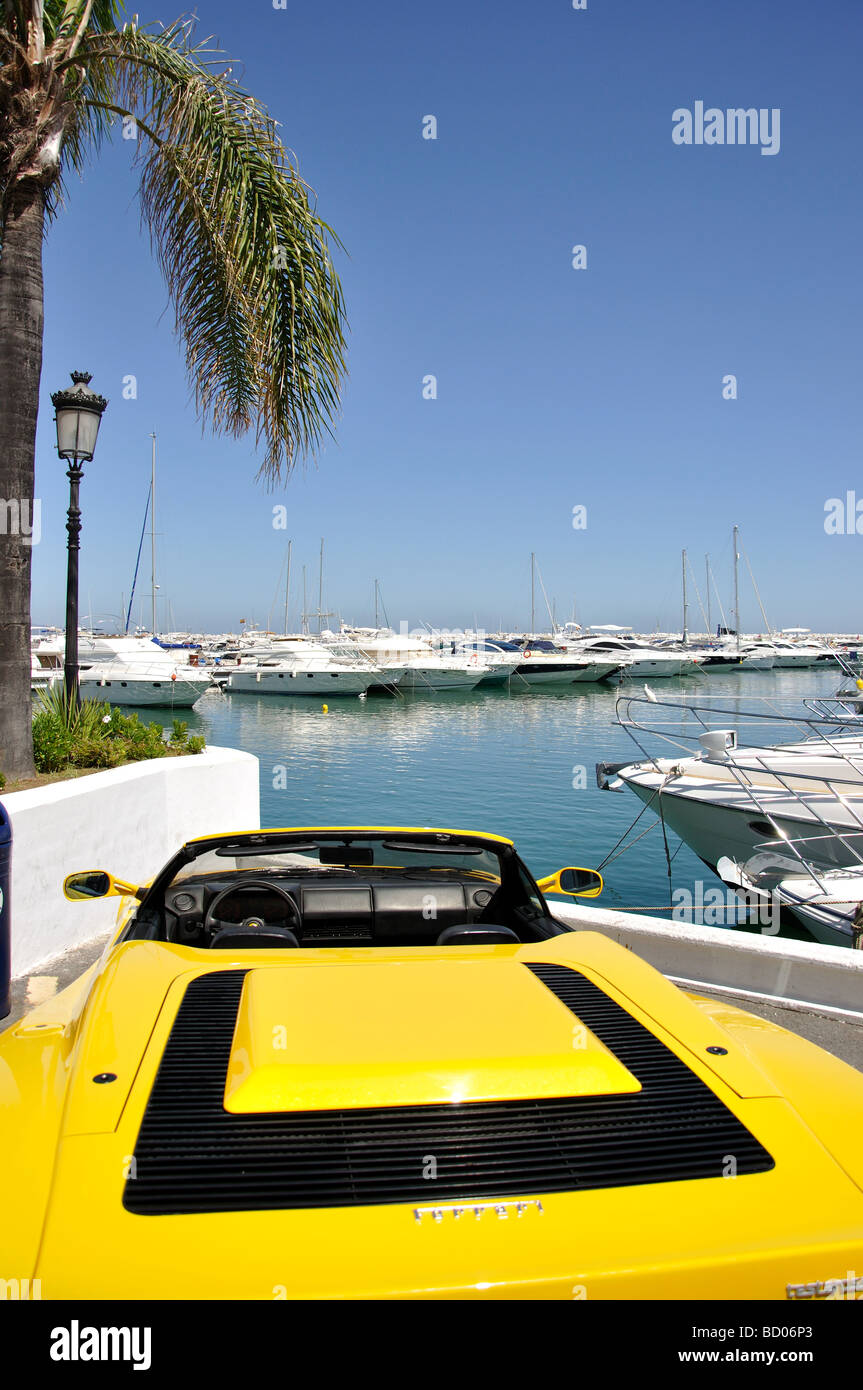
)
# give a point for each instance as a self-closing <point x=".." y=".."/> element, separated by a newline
<point x="345" y="856"/>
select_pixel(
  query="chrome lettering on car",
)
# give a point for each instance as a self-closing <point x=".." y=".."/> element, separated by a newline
<point x="849" y="1287"/>
<point x="502" y="1210"/>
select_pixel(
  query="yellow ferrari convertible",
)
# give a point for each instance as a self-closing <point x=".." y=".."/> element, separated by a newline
<point x="366" y="1062"/>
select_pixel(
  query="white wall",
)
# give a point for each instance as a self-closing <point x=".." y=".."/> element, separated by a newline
<point x="801" y="974"/>
<point x="128" y="820"/>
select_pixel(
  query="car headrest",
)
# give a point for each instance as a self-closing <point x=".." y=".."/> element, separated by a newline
<point x="239" y="938"/>
<point x="478" y="934"/>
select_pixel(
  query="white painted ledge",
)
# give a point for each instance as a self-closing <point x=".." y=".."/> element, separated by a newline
<point x="128" y="820"/>
<point x="794" y="974"/>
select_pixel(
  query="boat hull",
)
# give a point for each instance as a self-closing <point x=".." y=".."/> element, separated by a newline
<point x="419" y="678"/>
<point x="301" y="683"/>
<point x="557" y="672"/>
<point x="143" y="693"/>
<point x="643" y="667"/>
<point x="714" y="830"/>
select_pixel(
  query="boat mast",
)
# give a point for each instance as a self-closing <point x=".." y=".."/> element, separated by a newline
<point x="305" y="614"/>
<point x="153" y="584"/>
<point x="376" y="606"/>
<point x="684" y="599"/>
<point x="707" y="572"/>
<point x="736" y="594"/>
<point x="321" y="586"/>
<point x="532" y="593"/>
<point x="288" y="587"/>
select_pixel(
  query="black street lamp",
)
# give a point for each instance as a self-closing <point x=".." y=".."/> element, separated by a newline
<point x="78" y="414"/>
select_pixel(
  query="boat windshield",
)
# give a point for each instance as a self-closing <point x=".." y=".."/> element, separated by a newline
<point x="490" y="647"/>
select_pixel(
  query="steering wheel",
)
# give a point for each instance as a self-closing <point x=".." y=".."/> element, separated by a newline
<point x="293" y="919"/>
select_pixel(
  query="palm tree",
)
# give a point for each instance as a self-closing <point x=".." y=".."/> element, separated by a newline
<point x="258" y="305"/>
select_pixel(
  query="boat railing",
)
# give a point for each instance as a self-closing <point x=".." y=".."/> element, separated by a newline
<point x="746" y="763"/>
<point x="682" y="724"/>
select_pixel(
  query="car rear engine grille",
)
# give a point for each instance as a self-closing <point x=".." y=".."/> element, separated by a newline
<point x="193" y="1156"/>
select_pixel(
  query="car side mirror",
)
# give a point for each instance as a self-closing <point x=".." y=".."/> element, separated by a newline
<point x="96" y="883"/>
<point x="575" y="883"/>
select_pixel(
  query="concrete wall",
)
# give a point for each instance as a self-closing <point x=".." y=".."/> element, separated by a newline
<point x="128" y="820"/>
<point x="796" y="974"/>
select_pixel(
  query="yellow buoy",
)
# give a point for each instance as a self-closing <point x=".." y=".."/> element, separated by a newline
<point x="860" y="685"/>
<point x="325" y="708"/>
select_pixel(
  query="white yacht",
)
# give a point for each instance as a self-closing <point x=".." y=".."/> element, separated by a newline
<point x="441" y="673"/>
<point x="421" y="666"/>
<point x="46" y="660"/>
<point x="637" y="660"/>
<point x="787" y="656"/>
<point x="304" y="666"/>
<point x="499" y="664"/>
<point x="728" y="656"/>
<point x="828" y="902"/>
<point x="533" y="661"/>
<point x="547" y="662"/>
<point x="736" y="801"/>
<point x="163" y="685"/>
<point x="134" y="671"/>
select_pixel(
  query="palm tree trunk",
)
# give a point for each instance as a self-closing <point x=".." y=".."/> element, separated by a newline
<point x="21" y="313"/>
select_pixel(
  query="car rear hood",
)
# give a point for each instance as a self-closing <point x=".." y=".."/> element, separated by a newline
<point x="510" y="1185"/>
<point x="409" y="1033"/>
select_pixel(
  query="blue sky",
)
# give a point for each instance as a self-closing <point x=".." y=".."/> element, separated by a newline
<point x="557" y="387"/>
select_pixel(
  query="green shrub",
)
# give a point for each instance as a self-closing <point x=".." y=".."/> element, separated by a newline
<point x="97" y="735"/>
<point x="52" y="743"/>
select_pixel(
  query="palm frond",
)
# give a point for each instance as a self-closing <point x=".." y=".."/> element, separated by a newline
<point x="246" y="259"/>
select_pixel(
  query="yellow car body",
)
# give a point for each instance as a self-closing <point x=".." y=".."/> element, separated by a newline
<point x="543" y="1119"/>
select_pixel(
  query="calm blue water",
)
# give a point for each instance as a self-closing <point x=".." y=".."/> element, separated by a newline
<point x="489" y="760"/>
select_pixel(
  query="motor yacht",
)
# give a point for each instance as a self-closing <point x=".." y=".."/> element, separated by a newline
<point x="728" y="656"/>
<point x="123" y="670"/>
<point x="422" y="666"/>
<point x="636" y="660"/>
<point x="828" y="903"/>
<point x="787" y="656"/>
<point x="307" y="667"/>
<point x="735" y="800"/>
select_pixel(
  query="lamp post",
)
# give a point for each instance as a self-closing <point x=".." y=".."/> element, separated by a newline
<point x="78" y="414"/>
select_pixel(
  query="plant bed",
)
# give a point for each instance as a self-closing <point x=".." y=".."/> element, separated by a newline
<point x="70" y="740"/>
<point x="67" y="774"/>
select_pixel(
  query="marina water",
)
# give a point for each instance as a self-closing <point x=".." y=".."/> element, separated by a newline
<point x="518" y="763"/>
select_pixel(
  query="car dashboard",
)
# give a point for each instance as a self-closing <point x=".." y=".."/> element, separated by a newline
<point x="396" y="908"/>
